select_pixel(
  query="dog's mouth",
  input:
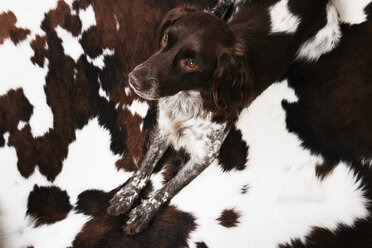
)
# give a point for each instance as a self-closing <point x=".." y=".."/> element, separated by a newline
<point x="150" y="94"/>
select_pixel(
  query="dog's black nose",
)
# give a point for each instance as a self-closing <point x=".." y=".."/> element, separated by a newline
<point x="134" y="82"/>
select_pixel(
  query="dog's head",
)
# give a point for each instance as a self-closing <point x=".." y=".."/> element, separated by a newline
<point x="196" y="50"/>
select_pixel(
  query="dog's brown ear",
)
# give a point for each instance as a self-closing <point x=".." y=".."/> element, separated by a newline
<point x="171" y="17"/>
<point x="231" y="87"/>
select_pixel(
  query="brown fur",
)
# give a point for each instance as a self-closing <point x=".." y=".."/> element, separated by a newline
<point x="93" y="231"/>
<point x="226" y="100"/>
<point x="47" y="205"/>
<point x="234" y="152"/>
<point x="109" y="232"/>
<point x="38" y="46"/>
<point x="368" y="11"/>
<point x="14" y="107"/>
<point x="244" y="189"/>
<point x="201" y="245"/>
<point x="57" y="16"/>
<point x="9" y="30"/>
<point x="18" y="34"/>
<point x="7" y="19"/>
<point x="335" y="97"/>
<point x="324" y="169"/>
<point x="229" y="218"/>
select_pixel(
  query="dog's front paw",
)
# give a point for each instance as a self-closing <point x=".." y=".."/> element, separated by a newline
<point x="141" y="216"/>
<point x="123" y="200"/>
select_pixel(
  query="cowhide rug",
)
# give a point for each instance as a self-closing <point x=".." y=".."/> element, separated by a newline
<point x="72" y="132"/>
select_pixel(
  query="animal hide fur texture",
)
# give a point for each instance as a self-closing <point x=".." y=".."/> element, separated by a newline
<point x="72" y="133"/>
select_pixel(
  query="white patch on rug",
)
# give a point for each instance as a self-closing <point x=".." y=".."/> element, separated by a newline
<point x="325" y="40"/>
<point x="69" y="2"/>
<point x="88" y="18"/>
<point x="352" y="11"/>
<point x="157" y="180"/>
<point x="16" y="230"/>
<point x="117" y="23"/>
<point x="71" y="44"/>
<point x="90" y="163"/>
<point x="99" y="61"/>
<point x="285" y="198"/>
<point x="282" y="20"/>
<point x="139" y="107"/>
<point x="19" y="72"/>
<point x="2" y="232"/>
<point x="58" y="235"/>
<point x="103" y="93"/>
<point x="21" y="124"/>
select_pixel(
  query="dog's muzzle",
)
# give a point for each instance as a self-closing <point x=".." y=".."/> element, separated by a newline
<point x="144" y="87"/>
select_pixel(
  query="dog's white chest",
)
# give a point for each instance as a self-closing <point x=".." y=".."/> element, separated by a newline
<point x="186" y="127"/>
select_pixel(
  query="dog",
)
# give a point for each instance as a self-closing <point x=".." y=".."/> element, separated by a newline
<point x="204" y="73"/>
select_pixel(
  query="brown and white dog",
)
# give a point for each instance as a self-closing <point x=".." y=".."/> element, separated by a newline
<point x="205" y="72"/>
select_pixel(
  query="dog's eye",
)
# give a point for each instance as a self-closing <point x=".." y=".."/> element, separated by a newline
<point x="191" y="63"/>
<point x="164" y="40"/>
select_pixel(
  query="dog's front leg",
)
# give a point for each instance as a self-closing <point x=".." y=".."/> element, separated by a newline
<point x="141" y="216"/>
<point x="124" y="198"/>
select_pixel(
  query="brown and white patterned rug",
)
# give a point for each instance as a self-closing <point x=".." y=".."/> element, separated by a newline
<point x="72" y="132"/>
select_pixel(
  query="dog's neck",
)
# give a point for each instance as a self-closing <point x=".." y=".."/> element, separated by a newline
<point x="182" y="106"/>
<point x="275" y="34"/>
<point x="186" y="125"/>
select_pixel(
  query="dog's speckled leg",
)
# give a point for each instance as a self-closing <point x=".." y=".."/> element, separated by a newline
<point x="141" y="216"/>
<point x="125" y="197"/>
